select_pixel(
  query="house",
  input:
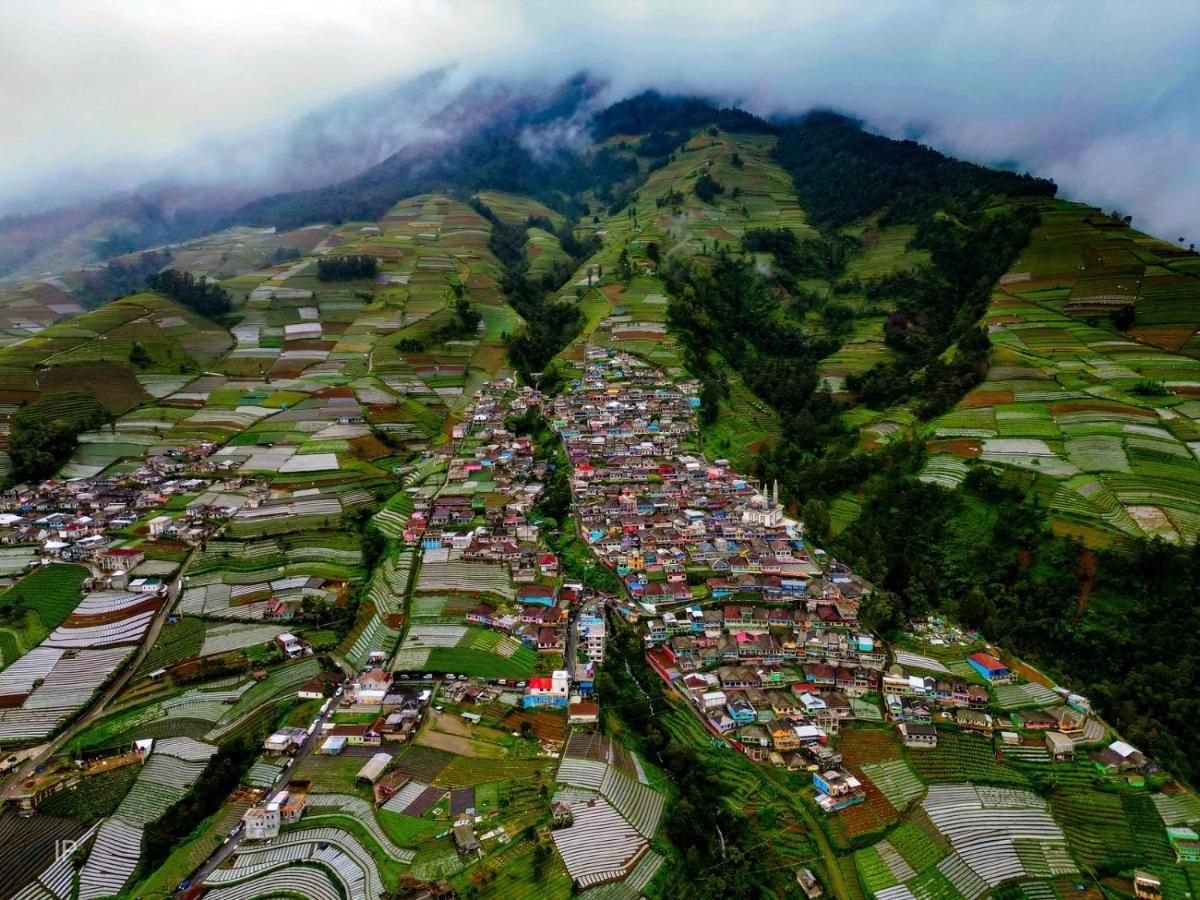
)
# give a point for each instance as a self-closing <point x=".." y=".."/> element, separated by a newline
<point x="809" y="885"/>
<point x="481" y="615"/>
<point x="319" y="687"/>
<point x="918" y="736"/>
<point x="285" y="740"/>
<point x="591" y="629"/>
<point x="464" y="838"/>
<point x="1060" y="747"/>
<point x="989" y="667"/>
<point x="334" y="744"/>
<point x="552" y="691"/>
<point x="1119" y="757"/>
<point x="538" y="594"/>
<point x="1035" y="719"/>
<point x="291" y="645"/>
<point x="121" y="560"/>
<point x="551" y="640"/>
<point x="974" y="720"/>
<point x="755" y="742"/>
<point x="784" y="738"/>
<point x="263" y="822"/>
<point x="1186" y="844"/>
<point x="741" y="711"/>
<point x="583" y="712"/>
<point x="1147" y="886"/>
<point x="371" y="687"/>
<point x="837" y="789"/>
<point x="360" y="735"/>
<point x="278" y="610"/>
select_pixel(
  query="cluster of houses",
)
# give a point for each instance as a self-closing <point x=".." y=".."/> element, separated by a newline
<point x="674" y="526"/>
<point x="75" y="519"/>
<point x="398" y="708"/>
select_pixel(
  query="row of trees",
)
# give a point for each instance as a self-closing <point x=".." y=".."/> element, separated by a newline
<point x="721" y="854"/>
<point x="346" y="268"/>
<point x="198" y="294"/>
<point x="222" y="774"/>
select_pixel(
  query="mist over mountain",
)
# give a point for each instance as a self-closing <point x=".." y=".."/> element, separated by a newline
<point x="298" y="98"/>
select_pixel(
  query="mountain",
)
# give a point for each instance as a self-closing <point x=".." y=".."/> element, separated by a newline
<point x="191" y="191"/>
<point x="795" y="404"/>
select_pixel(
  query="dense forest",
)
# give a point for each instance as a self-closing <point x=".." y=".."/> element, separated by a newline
<point x="198" y="294"/>
<point x="119" y="279"/>
<point x="843" y="173"/>
<point x="504" y="153"/>
<point x="549" y="325"/>
<point x="346" y="268"/>
<point x="42" y="442"/>
<point x="1122" y="627"/>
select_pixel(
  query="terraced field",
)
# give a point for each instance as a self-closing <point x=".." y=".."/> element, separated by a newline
<point x="1107" y="415"/>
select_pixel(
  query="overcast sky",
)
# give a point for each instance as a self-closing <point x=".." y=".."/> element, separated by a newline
<point x="1100" y="96"/>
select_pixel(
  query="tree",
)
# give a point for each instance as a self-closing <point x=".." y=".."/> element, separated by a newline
<point x="883" y="611"/>
<point x="198" y="294"/>
<point x="138" y="356"/>
<point x="815" y="516"/>
<point x="976" y="608"/>
<point x="708" y="188"/>
<point x="1123" y="318"/>
<point x="541" y="856"/>
<point x="346" y="268"/>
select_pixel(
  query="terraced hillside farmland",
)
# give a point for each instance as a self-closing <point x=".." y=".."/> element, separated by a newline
<point x="1091" y="382"/>
<point x="338" y="525"/>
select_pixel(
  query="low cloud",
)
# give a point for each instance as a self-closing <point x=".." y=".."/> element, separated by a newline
<point x="1097" y="95"/>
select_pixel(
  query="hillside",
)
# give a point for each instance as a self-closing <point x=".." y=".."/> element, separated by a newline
<point x="437" y="415"/>
<point x="1092" y="376"/>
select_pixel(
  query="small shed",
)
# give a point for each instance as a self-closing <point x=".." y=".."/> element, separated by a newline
<point x="464" y="838"/>
<point x="333" y="744"/>
<point x="374" y="768"/>
<point x="1060" y="747"/>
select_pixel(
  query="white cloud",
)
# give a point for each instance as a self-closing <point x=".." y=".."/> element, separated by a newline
<point x="1098" y="95"/>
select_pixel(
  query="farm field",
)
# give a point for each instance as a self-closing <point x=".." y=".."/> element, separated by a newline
<point x="36" y="605"/>
<point x="1106" y="416"/>
<point x="328" y="460"/>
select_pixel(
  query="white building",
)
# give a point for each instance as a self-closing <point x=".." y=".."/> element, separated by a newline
<point x="591" y="629"/>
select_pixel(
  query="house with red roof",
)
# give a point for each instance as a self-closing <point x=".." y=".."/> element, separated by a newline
<point x="989" y="667"/>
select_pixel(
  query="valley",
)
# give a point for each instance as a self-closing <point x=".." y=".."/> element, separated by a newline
<point x="653" y="521"/>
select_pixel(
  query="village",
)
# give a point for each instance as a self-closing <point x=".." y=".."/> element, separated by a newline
<point x="485" y="640"/>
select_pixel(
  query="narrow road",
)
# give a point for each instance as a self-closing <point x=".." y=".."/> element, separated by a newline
<point x="227" y="849"/>
<point x="10" y="785"/>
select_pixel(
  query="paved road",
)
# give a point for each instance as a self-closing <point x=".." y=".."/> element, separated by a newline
<point x="46" y="751"/>
<point x="226" y="850"/>
<point x="572" y="638"/>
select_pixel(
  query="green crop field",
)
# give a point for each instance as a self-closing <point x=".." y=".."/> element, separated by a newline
<point x="1062" y="397"/>
<point x="92" y="798"/>
<point x="964" y="757"/>
<point x="38" y="604"/>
